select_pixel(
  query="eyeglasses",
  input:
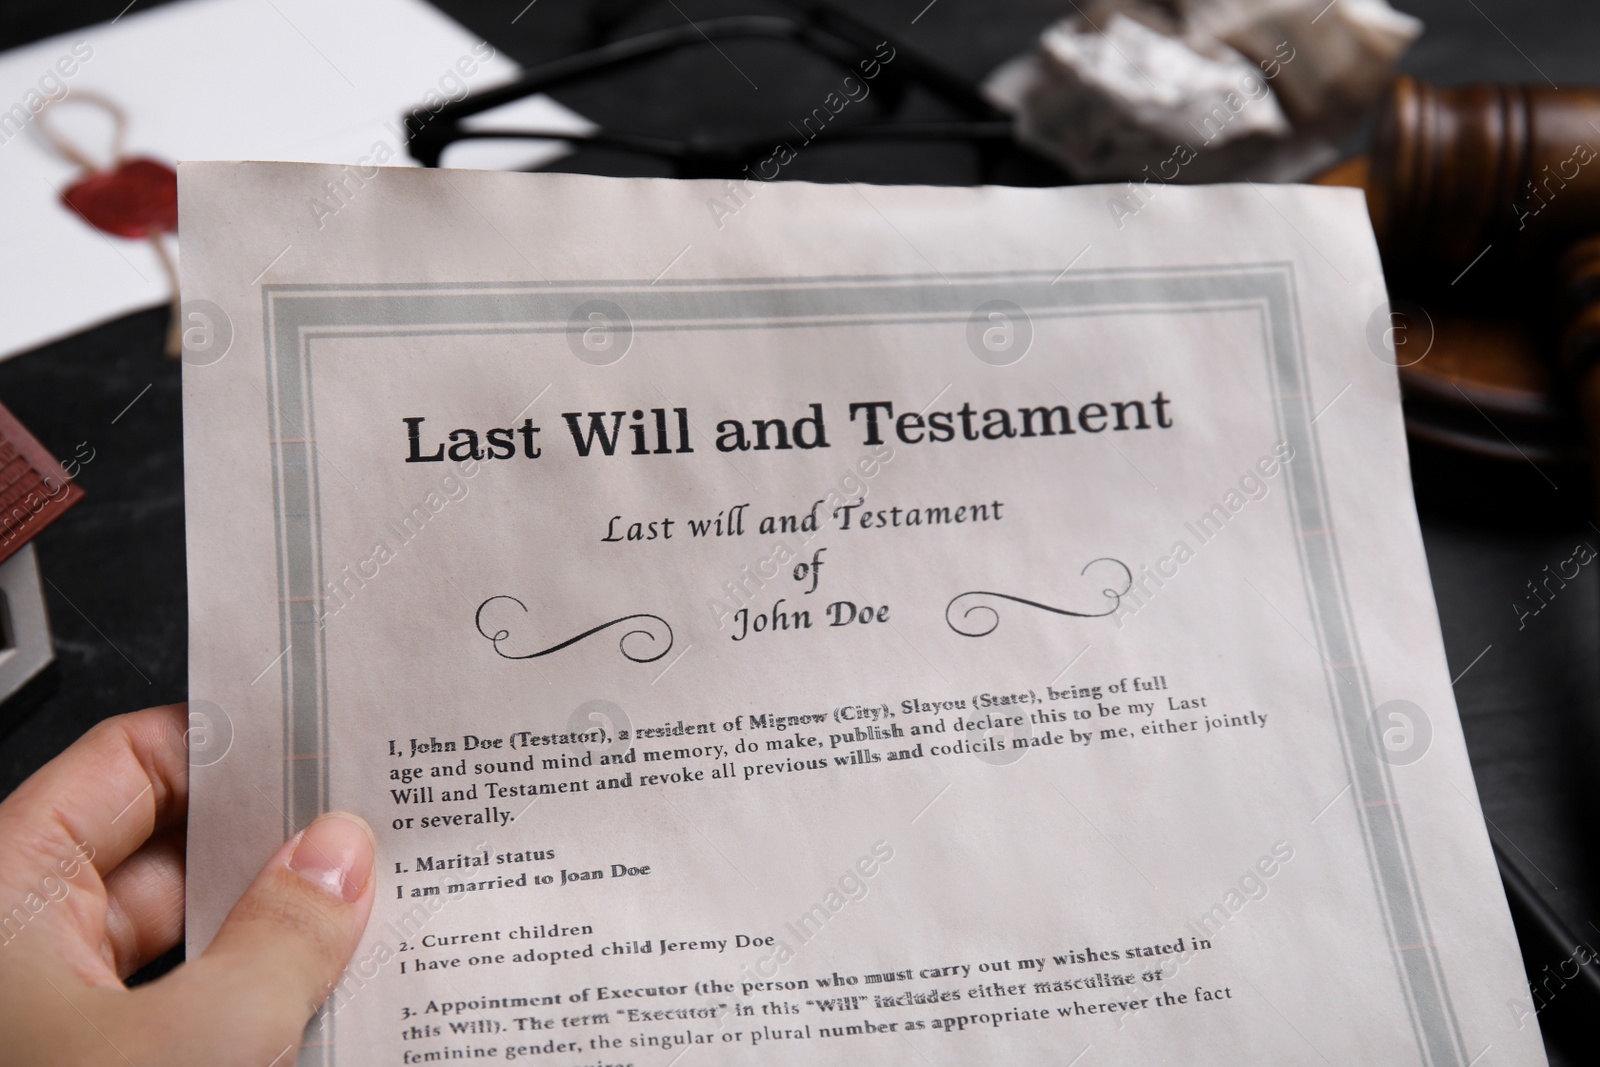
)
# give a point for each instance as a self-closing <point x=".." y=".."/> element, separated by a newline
<point x="870" y="108"/>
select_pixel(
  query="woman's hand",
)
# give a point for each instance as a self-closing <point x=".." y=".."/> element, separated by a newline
<point x="91" y="889"/>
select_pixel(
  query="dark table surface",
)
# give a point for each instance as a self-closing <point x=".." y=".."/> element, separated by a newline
<point x="1528" y="689"/>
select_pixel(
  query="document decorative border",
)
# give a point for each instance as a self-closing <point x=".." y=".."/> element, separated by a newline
<point x="295" y="315"/>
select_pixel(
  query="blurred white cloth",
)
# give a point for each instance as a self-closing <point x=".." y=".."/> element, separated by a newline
<point x="300" y="80"/>
<point x="1202" y="90"/>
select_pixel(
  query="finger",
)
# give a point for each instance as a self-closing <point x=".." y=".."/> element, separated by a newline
<point x="100" y="799"/>
<point x="282" y="947"/>
<point x="144" y="903"/>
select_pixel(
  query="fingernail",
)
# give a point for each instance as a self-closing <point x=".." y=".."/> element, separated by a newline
<point x="335" y="852"/>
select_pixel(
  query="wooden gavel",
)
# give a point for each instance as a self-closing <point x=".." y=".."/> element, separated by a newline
<point x="1487" y="198"/>
<point x="1500" y="185"/>
<point x="1504" y="177"/>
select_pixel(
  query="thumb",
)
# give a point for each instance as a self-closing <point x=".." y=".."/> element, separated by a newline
<point x="282" y="947"/>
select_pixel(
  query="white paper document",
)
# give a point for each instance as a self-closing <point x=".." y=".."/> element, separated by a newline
<point x="795" y="624"/>
<point x="207" y="79"/>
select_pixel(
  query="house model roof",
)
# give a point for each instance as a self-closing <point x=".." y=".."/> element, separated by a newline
<point x="34" y="489"/>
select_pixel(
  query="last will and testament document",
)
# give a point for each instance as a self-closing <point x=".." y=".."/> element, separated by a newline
<point x="794" y="624"/>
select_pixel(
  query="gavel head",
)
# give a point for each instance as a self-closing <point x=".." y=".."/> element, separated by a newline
<point x="1487" y="177"/>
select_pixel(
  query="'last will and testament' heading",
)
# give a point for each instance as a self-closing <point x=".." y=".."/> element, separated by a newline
<point x="660" y="432"/>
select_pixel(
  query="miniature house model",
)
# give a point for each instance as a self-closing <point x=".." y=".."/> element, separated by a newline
<point x="35" y="490"/>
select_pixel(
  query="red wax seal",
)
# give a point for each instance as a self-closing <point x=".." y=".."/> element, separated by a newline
<point x="139" y="198"/>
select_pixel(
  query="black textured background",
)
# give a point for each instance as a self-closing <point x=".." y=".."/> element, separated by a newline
<point x="1529" y="697"/>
